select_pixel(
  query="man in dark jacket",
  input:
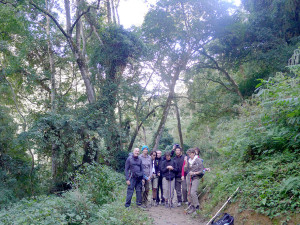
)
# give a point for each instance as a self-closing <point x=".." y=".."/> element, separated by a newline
<point x="178" y="159"/>
<point x="134" y="175"/>
<point x="159" y="187"/>
<point x="168" y="171"/>
<point x="160" y="159"/>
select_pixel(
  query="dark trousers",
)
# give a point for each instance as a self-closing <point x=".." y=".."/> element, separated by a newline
<point x="137" y="185"/>
<point x="160" y="186"/>
<point x="178" y="183"/>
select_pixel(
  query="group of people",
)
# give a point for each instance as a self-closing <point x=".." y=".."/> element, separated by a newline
<point x="164" y="174"/>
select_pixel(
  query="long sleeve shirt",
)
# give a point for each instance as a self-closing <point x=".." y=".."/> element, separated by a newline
<point x="133" y="165"/>
<point x="146" y="164"/>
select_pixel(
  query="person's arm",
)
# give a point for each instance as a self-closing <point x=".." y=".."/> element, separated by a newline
<point x="163" y="167"/>
<point x="151" y="167"/>
<point x="127" y="167"/>
<point x="175" y="167"/>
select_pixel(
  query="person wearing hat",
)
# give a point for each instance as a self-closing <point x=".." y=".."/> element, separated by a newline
<point x="147" y="168"/>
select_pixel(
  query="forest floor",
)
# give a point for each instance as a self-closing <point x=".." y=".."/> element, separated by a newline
<point x="173" y="216"/>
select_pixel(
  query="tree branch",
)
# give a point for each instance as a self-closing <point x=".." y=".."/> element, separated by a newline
<point x="78" y="18"/>
<point x="51" y="16"/>
<point x="221" y="83"/>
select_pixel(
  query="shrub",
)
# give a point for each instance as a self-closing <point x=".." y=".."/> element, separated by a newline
<point x="98" y="199"/>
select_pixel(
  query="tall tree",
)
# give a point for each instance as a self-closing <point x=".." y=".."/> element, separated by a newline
<point x="179" y="32"/>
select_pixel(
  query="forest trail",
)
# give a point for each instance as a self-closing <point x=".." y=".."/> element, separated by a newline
<point x="173" y="216"/>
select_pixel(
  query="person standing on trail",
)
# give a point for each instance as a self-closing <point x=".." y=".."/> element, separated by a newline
<point x="178" y="159"/>
<point x="197" y="152"/>
<point x="155" y="175"/>
<point x="184" y="181"/>
<point x="134" y="175"/>
<point x="168" y="170"/>
<point x="147" y="168"/>
<point x="195" y="169"/>
<point x="160" y="186"/>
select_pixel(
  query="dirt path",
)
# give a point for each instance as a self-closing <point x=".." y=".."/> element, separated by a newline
<point x="174" y="216"/>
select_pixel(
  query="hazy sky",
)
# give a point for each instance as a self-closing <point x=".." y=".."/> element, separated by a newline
<point x="132" y="12"/>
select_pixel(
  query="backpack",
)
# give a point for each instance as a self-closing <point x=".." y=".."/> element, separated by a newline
<point x="226" y="219"/>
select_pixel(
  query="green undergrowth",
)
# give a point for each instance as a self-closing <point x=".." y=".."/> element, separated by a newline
<point x="270" y="187"/>
<point x="98" y="198"/>
<point x="259" y="152"/>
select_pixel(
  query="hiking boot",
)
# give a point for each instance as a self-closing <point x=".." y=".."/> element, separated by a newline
<point x="192" y="209"/>
<point x="179" y="204"/>
<point x="166" y="204"/>
<point x="186" y="203"/>
<point x="142" y="206"/>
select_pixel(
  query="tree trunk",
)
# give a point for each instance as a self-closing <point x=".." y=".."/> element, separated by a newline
<point x="54" y="155"/>
<point x="113" y="11"/>
<point x="163" y="120"/>
<point x="136" y="131"/>
<point x="178" y="123"/>
<point x="120" y="125"/>
<point x="108" y="8"/>
<point x="145" y="137"/>
<point x="80" y="58"/>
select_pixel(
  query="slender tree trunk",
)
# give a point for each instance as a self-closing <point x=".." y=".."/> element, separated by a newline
<point x="180" y="67"/>
<point x="108" y="8"/>
<point x="163" y="120"/>
<point x="178" y="123"/>
<point x="120" y="125"/>
<point x="145" y="137"/>
<point x="136" y="131"/>
<point x="117" y="12"/>
<point x="79" y="55"/>
<point x="80" y="58"/>
<point x="113" y="11"/>
<point x="53" y="92"/>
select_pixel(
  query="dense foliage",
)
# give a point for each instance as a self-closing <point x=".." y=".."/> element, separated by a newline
<point x="259" y="149"/>
<point x="97" y="197"/>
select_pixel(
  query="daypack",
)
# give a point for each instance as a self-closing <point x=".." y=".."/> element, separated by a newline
<point x="226" y="219"/>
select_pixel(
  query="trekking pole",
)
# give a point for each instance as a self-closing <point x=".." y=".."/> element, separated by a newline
<point x="169" y="189"/>
<point x="223" y="206"/>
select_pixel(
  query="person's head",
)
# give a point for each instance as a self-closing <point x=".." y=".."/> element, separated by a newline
<point x="153" y="155"/>
<point x="191" y="153"/>
<point x="145" y="150"/>
<point x="197" y="151"/>
<point x="136" y="152"/>
<point x="158" y="154"/>
<point x="178" y="151"/>
<point x="168" y="156"/>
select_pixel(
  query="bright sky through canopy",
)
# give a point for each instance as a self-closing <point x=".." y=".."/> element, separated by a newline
<point x="132" y="12"/>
